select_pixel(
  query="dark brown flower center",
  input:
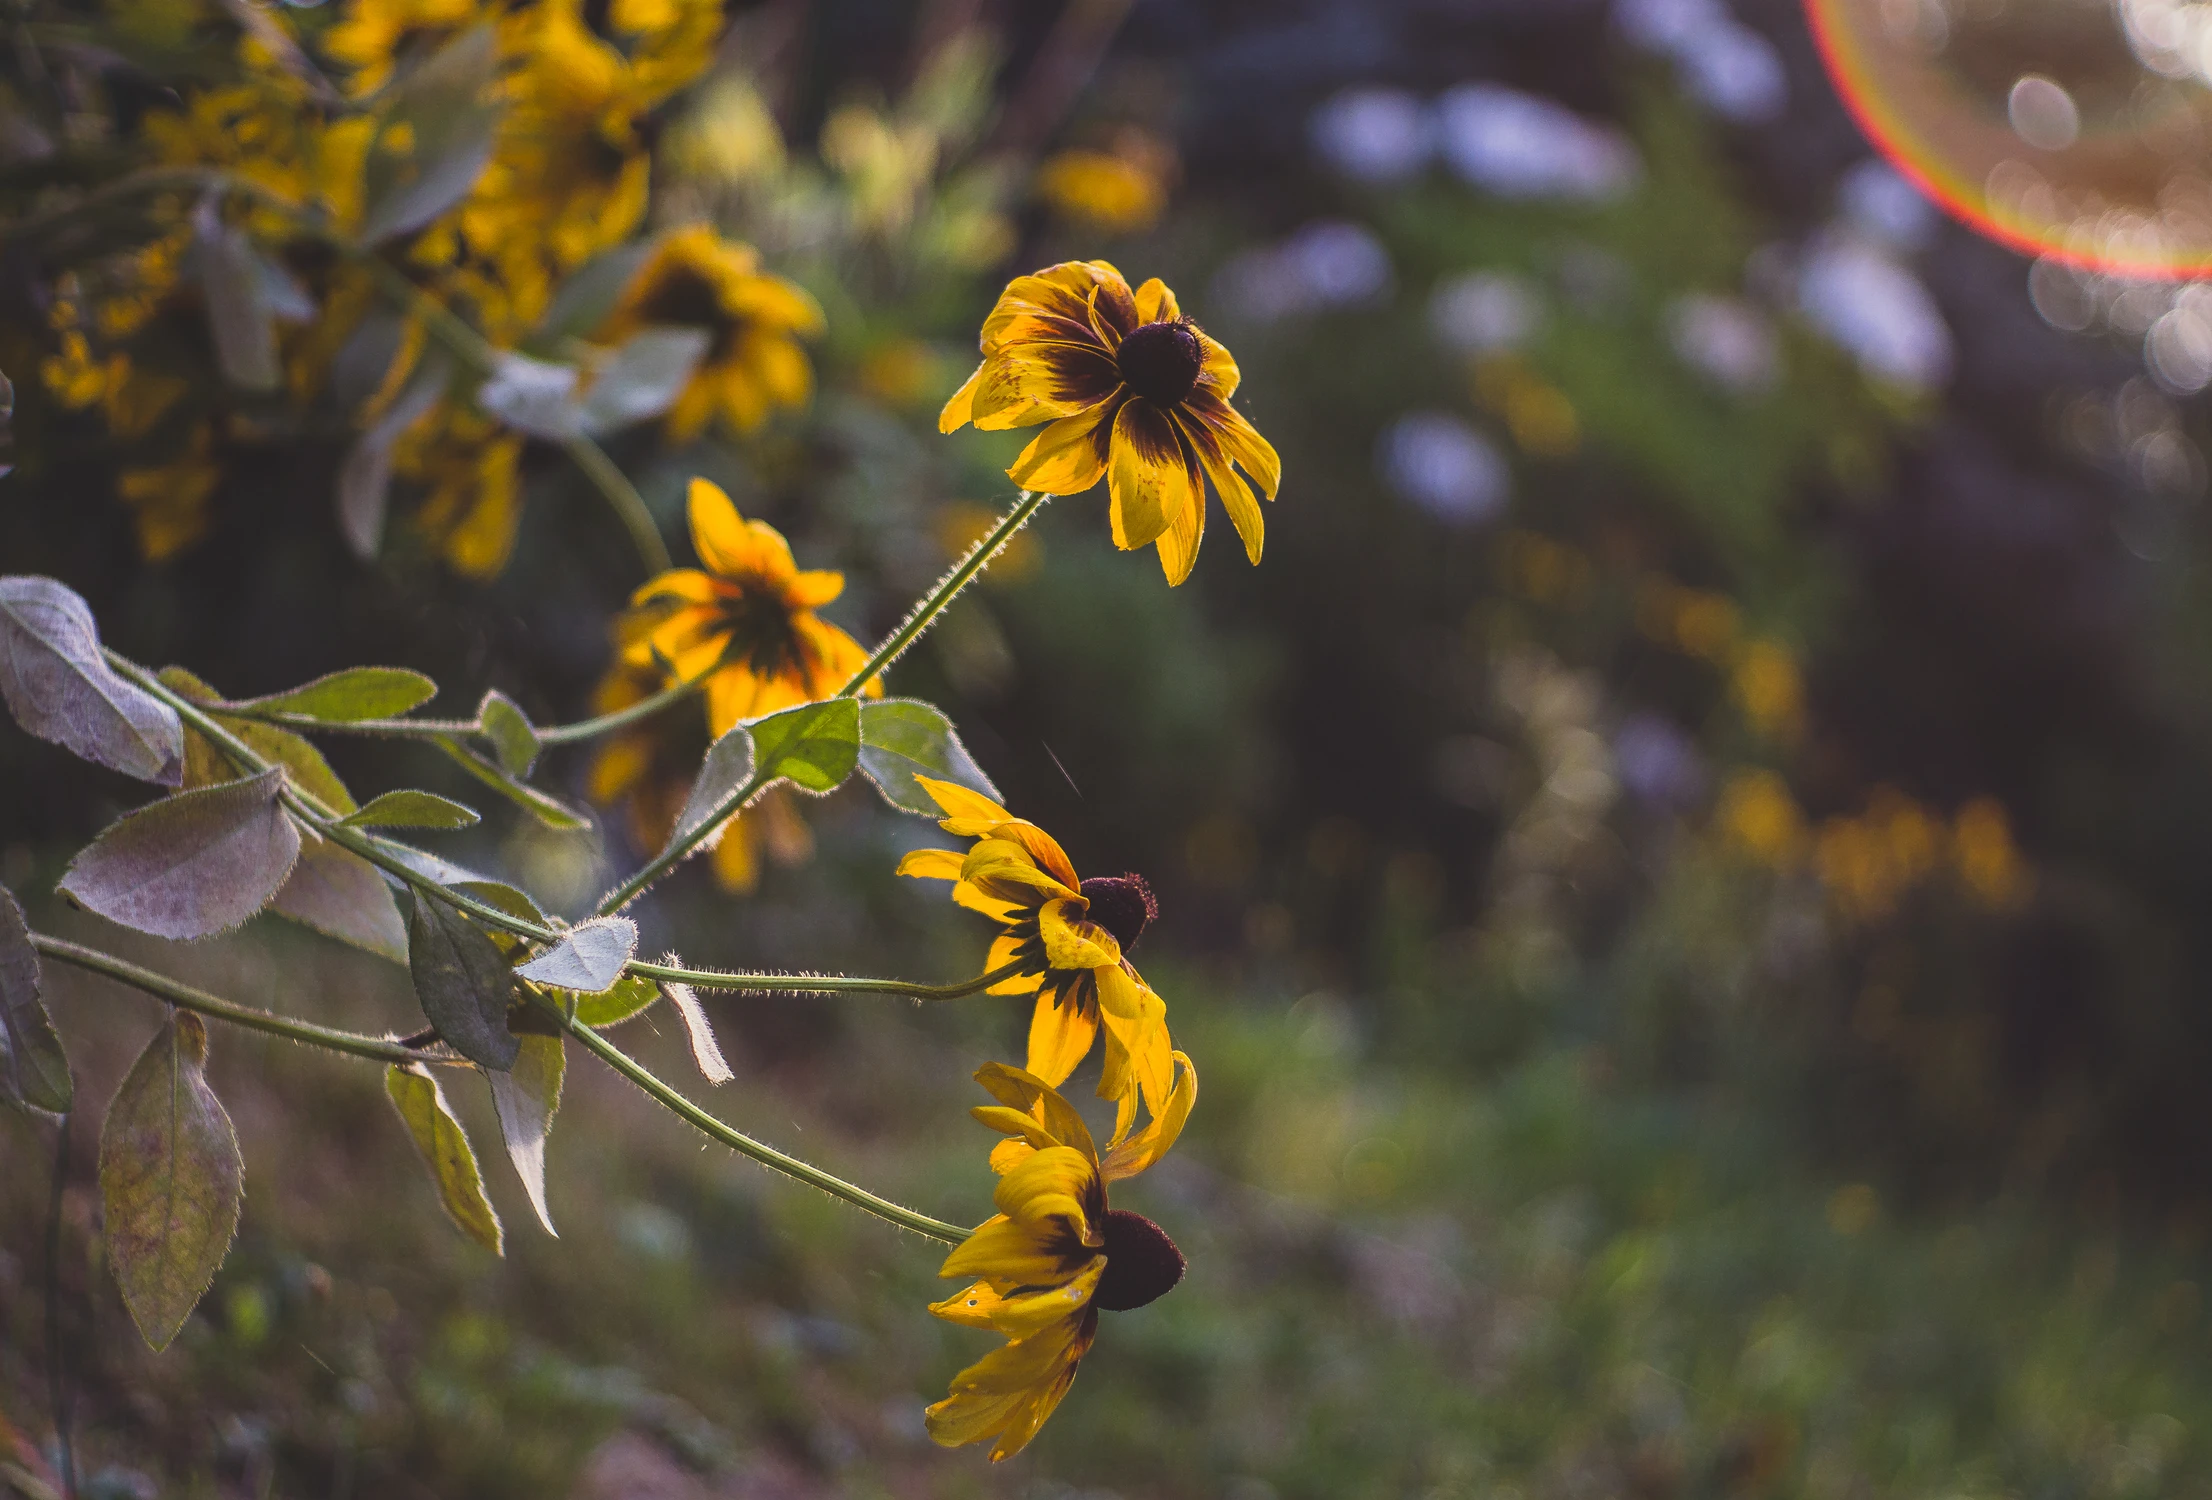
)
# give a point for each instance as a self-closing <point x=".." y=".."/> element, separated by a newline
<point x="1160" y="361"/>
<point x="1142" y="1263"/>
<point x="1122" y="904"/>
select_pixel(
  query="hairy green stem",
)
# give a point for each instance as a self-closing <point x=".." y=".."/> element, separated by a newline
<point x="678" y="849"/>
<point x="430" y="729"/>
<point x="768" y="1156"/>
<point x="948" y="588"/>
<point x="185" y="997"/>
<point x="824" y="984"/>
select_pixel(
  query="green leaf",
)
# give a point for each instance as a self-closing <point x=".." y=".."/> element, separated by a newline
<point x="412" y="809"/>
<point x="342" y="895"/>
<point x="191" y="865"/>
<point x="206" y="764"/>
<point x="34" y="1071"/>
<point x="365" y="478"/>
<point x="589" y="957"/>
<point x="60" y="688"/>
<point x="532" y="396"/>
<point x="901" y="738"/>
<point x="706" y="1052"/>
<point x="586" y="298"/>
<point x="232" y="287"/>
<point x="348" y="697"/>
<point x="632" y="993"/>
<point x="641" y="379"/>
<point x="463" y="982"/>
<point x="171" y="1180"/>
<point x="449" y="127"/>
<point x="550" y="811"/>
<point x="727" y="769"/>
<point x="815" y="745"/>
<point x="514" y="743"/>
<point x="525" y="1098"/>
<point x="445" y="1150"/>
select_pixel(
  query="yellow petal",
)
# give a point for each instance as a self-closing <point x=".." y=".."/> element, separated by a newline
<point x="1218" y="368"/>
<point x="1072" y="943"/>
<point x="1007" y="1252"/>
<point x="971" y="1307"/>
<point x="962" y="804"/>
<point x="1007" y="1120"/>
<point x="1236" y="496"/>
<point x="1059" y="1185"/>
<point x="1060" y="1037"/>
<point x="1147" y="475"/>
<point x="717" y="530"/>
<point x="1026" y="1314"/>
<point x="1185" y="530"/>
<point x="931" y="864"/>
<point x="1066" y="458"/>
<point x="1155" y="303"/>
<point x="960" y="410"/>
<point x="1151" y="1143"/>
<point x="1238" y="438"/>
<point x="1009" y="1154"/>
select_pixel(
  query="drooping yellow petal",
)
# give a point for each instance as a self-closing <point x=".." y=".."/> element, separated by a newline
<point x="1148" y="1145"/>
<point x="1058" y="1186"/>
<point x="1185" y="530"/>
<point x="1147" y="475"/>
<point x="931" y="864"/>
<point x="1007" y="1120"/>
<point x="1236" y="496"/>
<point x="971" y="1307"/>
<point x="1238" y="438"/>
<point x="962" y="805"/>
<point x="960" y="410"/>
<point x="1025" y="1314"/>
<point x="1008" y="1253"/>
<point x="1060" y="1037"/>
<point x="1039" y="382"/>
<point x="1072" y="942"/>
<point x="1068" y="457"/>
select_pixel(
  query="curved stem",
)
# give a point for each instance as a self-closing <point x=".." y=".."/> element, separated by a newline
<point x="948" y="588"/>
<point x="768" y="1156"/>
<point x="185" y="997"/>
<point x="678" y="850"/>
<point x="825" y="984"/>
<point x="430" y="729"/>
<point x="622" y="497"/>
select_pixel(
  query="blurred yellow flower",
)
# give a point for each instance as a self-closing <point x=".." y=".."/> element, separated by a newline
<point x="169" y="502"/>
<point x="473" y="471"/>
<point x="730" y="137"/>
<point x="1758" y="815"/>
<point x="1989" y="863"/>
<point x="1054" y="1256"/>
<point x="754" y="363"/>
<point x="1069" y="936"/>
<point x="1135" y="393"/>
<point x="1768" y="689"/>
<point x="1102" y="191"/>
<point x="746" y="617"/>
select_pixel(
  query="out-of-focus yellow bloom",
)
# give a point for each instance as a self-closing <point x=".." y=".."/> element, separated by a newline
<point x="169" y="502"/>
<point x="1758" y="816"/>
<point x="1868" y="863"/>
<point x="1135" y="394"/>
<point x="898" y="371"/>
<point x="730" y="137"/>
<point x="473" y="471"/>
<point x="1069" y="937"/>
<point x="370" y="35"/>
<point x="886" y="165"/>
<point x="1537" y="413"/>
<point x="746" y="617"/>
<point x="1768" y="689"/>
<point x="1989" y="863"/>
<point x="1693" y="620"/>
<point x="754" y="364"/>
<point x="1102" y="191"/>
<point x="1054" y="1256"/>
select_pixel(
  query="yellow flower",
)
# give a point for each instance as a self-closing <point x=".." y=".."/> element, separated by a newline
<point x="169" y="502"/>
<point x="1136" y="395"/>
<point x="473" y="470"/>
<point x="1052" y="1258"/>
<point x="1108" y="192"/>
<point x="373" y="34"/>
<point x="747" y="616"/>
<point x="1068" y="935"/>
<point x="648" y="770"/>
<point x="754" y="364"/>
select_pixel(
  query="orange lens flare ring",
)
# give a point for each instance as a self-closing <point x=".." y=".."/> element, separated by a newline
<point x="2078" y="130"/>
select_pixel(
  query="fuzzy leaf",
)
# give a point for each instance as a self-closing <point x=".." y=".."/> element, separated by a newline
<point x="171" y="1180"/>
<point x="532" y="397"/>
<point x="352" y="695"/>
<point x="239" y="318"/>
<point x="414" y="1092"/>
<point x="449" y="127"/>
<point x="60" y="688"/>
<point x="727" y="768"/>
<point x="463" y="982"/>
<point x="589" y="957"/>
<point x="342" y="895"/>
<point x="586" y="297"/>
<point x="365" y="478"/>
<point x="191" y="865"/>
<point x="514" y="743"/>
<point x="641" y="379"/>
<point x="632" y="993"/>
<point x="550" y="811"/>
<point x="904" y="737"/>
<point x="705" y="1050"/>
<point x="525" y="1098"/>
<point x="815" y="745"/>
<point x="205" y="763"/>
<point x="34" y="1071"/>
<point x="412" y="809"/>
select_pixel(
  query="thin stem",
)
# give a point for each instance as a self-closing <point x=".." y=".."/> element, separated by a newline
<point x="768" y="1156"/>
<point x="548" y="734"/>
<point x="678" y="849"/>
<point x="948" y="588"/>
<point x="825" y="984"/>
<point x="185" y="997"/>
<point x="58" y="1360"/>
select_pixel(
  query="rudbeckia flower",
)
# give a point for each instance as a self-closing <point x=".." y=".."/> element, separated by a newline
<point x="753" y="364"/>
<point x="1053" y="1257"/>
<point x="1136" y="395"/>
<point x="747" y="616"/>
<point x="1068" y="935"/>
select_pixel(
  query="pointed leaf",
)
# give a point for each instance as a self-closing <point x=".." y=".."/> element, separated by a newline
<point x="365" y="478"/>
<point x="532" y="397"/>
<point x="60" y="688"/>
<point x="171" y="1180"/>
<point x="588" y="958"/>
<point x="412" y="809"/>
<point x="526" y="1097"/>
<point x="206" y="764"/>
<point x="632" y="993"/>
<point x="641" y="379"/>
<point x="342" y="895"/>
<point x="34" y="1071"/>
<point x="705" y="1050"/>
<point x="550" y="811"/>
<point x="901" y="738"/>
<point x="239" y="318"/>
<point x="727" y="769"/>
<point x="514" y="743"/>
<point x="445" y="1150"/>
<point x="463" y="982"/>
<point x="191" y="865"/>
<point x="815" y="745"/>
<point x="585" y="299"/>
<point x="449" y="127"/>
<point x="349" y="696"/>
